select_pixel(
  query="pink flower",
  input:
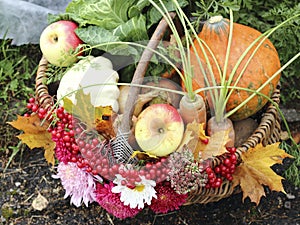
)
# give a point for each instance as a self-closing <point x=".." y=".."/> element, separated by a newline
<point x="167" y="199"/>
<point x="78" y="184"/>
<point x="111" y="202"/>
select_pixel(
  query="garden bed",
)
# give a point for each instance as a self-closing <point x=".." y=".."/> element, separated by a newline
<point x="29" y="175"/>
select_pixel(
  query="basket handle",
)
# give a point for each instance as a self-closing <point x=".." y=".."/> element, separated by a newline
<point x="41" y="90"/>
<point x="140" y="73"/>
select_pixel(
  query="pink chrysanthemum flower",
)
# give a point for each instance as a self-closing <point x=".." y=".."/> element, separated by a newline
<point x="111" y="202"/>
<point x="78" y="184"/>
<point x="167" y="199"/>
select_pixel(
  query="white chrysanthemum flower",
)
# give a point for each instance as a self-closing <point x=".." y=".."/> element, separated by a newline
<point x="78" y="184"/>
<point x="142" y="193"/>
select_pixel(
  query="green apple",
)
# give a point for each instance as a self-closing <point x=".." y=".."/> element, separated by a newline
<point x="159" y="129"/>
<point x="58" y="42"/>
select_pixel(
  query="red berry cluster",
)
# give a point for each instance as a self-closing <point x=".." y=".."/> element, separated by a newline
<point x="97" y="155"/>
<point x="35" y="108"/>
<point x="156" y="171"/>
<point x="74" y="144"/>
<point x="224" y="170"/>
<point x="63" y="134"/>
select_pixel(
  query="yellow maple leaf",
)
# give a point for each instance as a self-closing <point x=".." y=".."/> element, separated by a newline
<point x="198" y="130"/>
<point x="35" y="134"/>
<point x="99" y="117"/>
<point x="255" y="171"/>
<point x="142" y="155"/>
<point x="83" y="108"/>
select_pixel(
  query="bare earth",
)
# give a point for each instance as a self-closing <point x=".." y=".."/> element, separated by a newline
<point x="30" y="175"/>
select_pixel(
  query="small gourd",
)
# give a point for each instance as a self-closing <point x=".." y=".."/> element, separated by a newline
<point x="96" y="71"/>
<point x="262" y="66"/>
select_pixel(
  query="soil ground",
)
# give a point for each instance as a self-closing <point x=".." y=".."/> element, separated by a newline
<point x="29" y="174"/>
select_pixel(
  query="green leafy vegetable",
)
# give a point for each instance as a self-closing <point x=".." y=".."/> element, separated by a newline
<point x="94" y="36"/>
<point x="114" y="20"/>
<point x="111" y="21"/>
<point x="104" y="13"/>
<point x="132" y="30"/>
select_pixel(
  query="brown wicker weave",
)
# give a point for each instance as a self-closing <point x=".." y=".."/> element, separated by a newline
<point x="267" y="132"/>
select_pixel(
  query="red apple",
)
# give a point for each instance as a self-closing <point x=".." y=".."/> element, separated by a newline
<point x="159" y="129"/>
<point x="58" y="42"/>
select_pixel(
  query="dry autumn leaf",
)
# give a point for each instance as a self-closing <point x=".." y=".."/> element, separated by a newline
<point x="255" y="171"/>
<point x="194" y="133"/>
<point x="143" y="155"/>
<point x="216" y="145"/>
<point x="35" y="134"/>
<point x="83" y="108"/>
<point x="204" y="146"/>
<point x="188" y="139"/>
<point x="40" y="203"/>
<point x="99" y="118"/>
<point x="104" y="121"/>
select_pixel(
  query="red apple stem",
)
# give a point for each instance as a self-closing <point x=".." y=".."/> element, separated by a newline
<point x="140" y="73"/>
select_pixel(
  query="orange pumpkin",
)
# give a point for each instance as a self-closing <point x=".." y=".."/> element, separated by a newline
<point x="262" y="66"/>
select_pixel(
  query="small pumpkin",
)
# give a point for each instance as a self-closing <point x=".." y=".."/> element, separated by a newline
<point x="262" y="66"/>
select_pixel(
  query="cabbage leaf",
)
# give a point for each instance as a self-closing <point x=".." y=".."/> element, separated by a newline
<point x="103" y="21"/>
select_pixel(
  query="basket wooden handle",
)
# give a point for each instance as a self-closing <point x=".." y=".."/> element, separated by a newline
<point x="41" y="90"/>
<point x="140" y="73"/>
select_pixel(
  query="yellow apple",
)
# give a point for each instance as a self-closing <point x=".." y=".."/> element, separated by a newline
<point x="159" y="129"/>
<point x="58" y="42"/>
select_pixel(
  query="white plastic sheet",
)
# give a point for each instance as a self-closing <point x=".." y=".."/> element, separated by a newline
<point x="23" y="21"/>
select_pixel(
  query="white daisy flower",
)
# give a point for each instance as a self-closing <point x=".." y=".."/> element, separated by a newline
<point x="142" y="193"/>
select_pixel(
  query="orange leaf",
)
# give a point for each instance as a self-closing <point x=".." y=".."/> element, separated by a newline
<point x="35" y="134"/>
<point x="104" y="121"/>
<point x="255" y="171"/>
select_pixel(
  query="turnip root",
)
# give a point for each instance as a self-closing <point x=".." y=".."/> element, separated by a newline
<point x="226" y="125"/>
<point x="193" y="110"/>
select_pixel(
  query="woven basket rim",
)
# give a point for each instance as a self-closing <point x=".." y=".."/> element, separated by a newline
<point x="267" y="132"/>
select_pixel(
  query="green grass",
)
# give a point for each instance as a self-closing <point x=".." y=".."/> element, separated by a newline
<point x="18" y="66"/>
<point x="292" y="173"/>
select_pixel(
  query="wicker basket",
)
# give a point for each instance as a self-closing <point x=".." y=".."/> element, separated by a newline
<point x="267" y="132"/>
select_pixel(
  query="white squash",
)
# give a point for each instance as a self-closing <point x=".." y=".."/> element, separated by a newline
<point x="96" y="71"/>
